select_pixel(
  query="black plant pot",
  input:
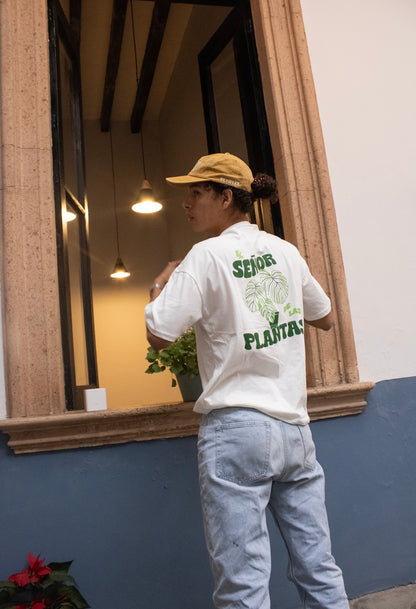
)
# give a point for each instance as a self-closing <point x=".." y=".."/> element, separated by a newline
<point x="191" y="388"/>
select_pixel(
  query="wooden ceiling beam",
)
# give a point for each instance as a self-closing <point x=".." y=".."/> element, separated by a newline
<point x="113" y="60"/>
<point x="151" y="54"/>
<point x="154" y="41"/>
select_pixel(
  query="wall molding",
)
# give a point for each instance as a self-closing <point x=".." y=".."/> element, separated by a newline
<point x="305" y="193"/>
<point x="30" y="293"/>
<point x="87" y="429"/>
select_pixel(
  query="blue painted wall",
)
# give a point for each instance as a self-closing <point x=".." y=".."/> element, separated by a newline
<point x="129" y="515"/>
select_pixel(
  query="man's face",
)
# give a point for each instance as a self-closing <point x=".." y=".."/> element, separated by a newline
<point x="204" y="209"/>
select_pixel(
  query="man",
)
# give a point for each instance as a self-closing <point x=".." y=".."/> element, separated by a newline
<point x="247" y="293"/>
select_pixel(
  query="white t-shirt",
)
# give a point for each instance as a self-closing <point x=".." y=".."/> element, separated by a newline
<point x="246" y="292"/>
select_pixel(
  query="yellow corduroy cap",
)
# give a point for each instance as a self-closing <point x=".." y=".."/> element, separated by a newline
<point x="221" y="167"/>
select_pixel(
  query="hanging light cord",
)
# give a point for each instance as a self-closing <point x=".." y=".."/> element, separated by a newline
<point x="114" y="194"/>
<point x="134" y="42"/>
<point x="144" y="165"/>
<point x="137" y="80"/>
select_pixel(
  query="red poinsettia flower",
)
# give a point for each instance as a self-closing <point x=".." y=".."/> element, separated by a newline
<point x="37" y="567"/>
<point x="32" y="575"/>
<point x="21" y="579"/>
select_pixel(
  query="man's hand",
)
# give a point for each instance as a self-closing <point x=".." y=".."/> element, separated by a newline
<point x="162" y="279"/>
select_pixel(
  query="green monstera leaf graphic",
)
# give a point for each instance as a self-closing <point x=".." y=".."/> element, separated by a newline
<point x="268" y="309"/>
<point x="275" y="285"/>
<point x="254" y="294"/>
<point x="265" y="291"/>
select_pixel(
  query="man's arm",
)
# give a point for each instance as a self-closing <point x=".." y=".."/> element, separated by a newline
<point x="156" y="342"/>
<point x="162" y="279"/>
<point x="156" y="289"/>
<point x="324" y="323"/>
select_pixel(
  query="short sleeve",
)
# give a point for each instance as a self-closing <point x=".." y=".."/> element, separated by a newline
<point x="316" y="303"/>
<point x="178" y="307"/>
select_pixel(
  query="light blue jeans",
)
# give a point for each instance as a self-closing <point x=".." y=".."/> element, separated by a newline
<point x="248" y="461"/>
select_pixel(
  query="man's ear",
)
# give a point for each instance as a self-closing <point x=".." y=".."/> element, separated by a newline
<point x="227" y="197"/>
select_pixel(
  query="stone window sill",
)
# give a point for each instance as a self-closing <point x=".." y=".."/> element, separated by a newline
<point x="86" y="429"/>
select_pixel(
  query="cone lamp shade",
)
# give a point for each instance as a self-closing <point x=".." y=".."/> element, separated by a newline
<point x="146" y="203"/>
<point x="120" y="271"/>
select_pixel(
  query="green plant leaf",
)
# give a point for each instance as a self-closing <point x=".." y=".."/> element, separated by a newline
<point x="74" y="597"/>
<point x="155" y="367"/>
<point x="9" y="585"/>
<point x="180" y="357"/>
<point x="56" y="577"/>
<point x="61" y="566"/>
<point x="5" y="596"/>
<point x="151" y="354"/>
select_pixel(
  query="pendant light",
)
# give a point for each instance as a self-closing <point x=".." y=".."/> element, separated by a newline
<point x="146" y="203"/>
<point x="119" y="271"/>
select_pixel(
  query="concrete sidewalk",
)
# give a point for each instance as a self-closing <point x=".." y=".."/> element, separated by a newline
<point x="403" y="597"/>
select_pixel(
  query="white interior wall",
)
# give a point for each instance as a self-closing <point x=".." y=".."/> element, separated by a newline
<point x="182" y="125"/>
<point x="144" y="248"/>
<point x="362" y="54"/>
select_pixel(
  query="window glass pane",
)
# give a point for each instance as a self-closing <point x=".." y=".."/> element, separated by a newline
<point x="68" y="127"/>
<point x="65" y="7"/>
<point x="77" y="304"/>
<point x="227" y="103"/>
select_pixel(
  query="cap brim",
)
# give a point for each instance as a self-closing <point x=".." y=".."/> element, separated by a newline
<point x="184" y="180"/>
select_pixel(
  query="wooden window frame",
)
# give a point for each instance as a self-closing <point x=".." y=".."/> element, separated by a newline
<point x="30" y="290"/>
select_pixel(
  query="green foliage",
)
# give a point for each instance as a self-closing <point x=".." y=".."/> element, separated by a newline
<point x="41" y="587"/>
<point x="179" y="357"/>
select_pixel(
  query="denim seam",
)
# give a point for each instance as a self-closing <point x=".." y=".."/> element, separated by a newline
<point x="307" y="463"/>
<point x="247" y="479"/>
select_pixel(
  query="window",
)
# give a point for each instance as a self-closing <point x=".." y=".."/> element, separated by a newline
<point x="80" y="367"/>
<point x="33" y="346"/>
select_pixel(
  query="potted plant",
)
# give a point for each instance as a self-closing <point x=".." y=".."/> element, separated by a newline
<point x="41" y="587"/>
<point x="180" y="358"/>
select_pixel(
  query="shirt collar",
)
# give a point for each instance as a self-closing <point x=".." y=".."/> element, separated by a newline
<point x="238" y="226"/>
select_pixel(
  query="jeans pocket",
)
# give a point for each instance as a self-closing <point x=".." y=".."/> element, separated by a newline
<point x="242" y="451"/>
<point x="308" y="446"/>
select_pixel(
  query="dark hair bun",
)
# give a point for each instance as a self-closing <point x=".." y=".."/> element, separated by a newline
<point x="264" y="186"/>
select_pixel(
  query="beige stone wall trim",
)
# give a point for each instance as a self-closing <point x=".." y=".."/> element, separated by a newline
<point x="32" y="334"/>
<point x="302" y="171"/>
<point x="342" y="400"/>
<point x="75" y="429"/>
<point x="82" y="429"/>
